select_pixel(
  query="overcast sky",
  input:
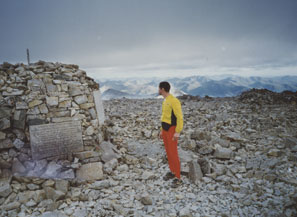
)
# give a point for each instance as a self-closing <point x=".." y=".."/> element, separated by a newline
<point x="120" y="38"/>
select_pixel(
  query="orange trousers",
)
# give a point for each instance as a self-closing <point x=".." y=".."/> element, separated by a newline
<point x="171" y="151"/>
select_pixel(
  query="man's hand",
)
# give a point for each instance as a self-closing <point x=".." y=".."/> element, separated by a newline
<point x="160" y="135"/>
<point x="175" y="136"/>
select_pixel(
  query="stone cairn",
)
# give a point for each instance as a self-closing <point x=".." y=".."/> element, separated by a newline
<point x="49" y="93"/>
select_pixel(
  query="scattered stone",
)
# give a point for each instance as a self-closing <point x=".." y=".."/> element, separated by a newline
<point x="98" y="185"/>
<point x="90" y="130"/>
<point x="5" y="189"/>
<point x="67" y="174"/>
<point x="6" y="143"/>
<point x="62" y="185"/>
<point x="274" y="153"/>
<point x="11" y="206"/>
<point x="148" y="175"/>
<point x="81" y="99"/>
<point x="18" y="167"/>
<point x="107" y="151"/>
<point x="110" y="166"/>
<point x="4" y="123"/>
<point x="2" y="135"/>
<point x="185" y="212"/>
<point x="223" y="153"/>
<point x="195" y="173"/>
<point x="146" y="200"/>
<point x="52" y="171"/>
<point x="18" y="143"/>
<point x="53" y="194"/>
<point x="91" y="171"/>
<point x="34" y="103"/>
<point x="52" y="101"/>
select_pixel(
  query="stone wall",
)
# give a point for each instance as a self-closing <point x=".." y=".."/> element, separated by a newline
<point x="43" y="93"/>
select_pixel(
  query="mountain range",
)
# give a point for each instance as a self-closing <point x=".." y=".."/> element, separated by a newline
<point x="214" y="86"/>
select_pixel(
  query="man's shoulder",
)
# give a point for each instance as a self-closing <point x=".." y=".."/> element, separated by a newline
<point x="174" y="99"/>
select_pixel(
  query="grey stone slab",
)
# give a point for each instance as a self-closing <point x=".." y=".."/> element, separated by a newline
<point x="2" y="135"/>
<point x="223" y="153"/>
<point x="195" y="173"/>
<point x="51" y="88"/>
<point x="99" y="106"/>
<point x="36" y="121"/>
<point x="14" y="93"/>
<point x="21" y="105"/>
<point x="57" y="139"/>
<point x="91" y="171"/>
<point x="6" y="143"/>
<point x="5" y="189"/>
<point x="93" y="113"/>
<point x="81" y="99"/>
<point x="5" y="112"/>
<point x="52" y="101"/>
<point x="68" y="174"/>
<point x="18" y="167"/>
<point x="19" y="119"/>
<point x="75" y="90"/>
<point x="36" y="85"/>
<point x="52" y="170"/>
<point x="4" y="123"/>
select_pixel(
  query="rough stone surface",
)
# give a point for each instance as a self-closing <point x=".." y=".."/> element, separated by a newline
<point x="5" y="189"/>
<point x="91" y="171"/>
<point x="223" y="153"/>
<point x="195" y="173"/>
<point x="107" y="151"/>
<point x="6" y="143"/>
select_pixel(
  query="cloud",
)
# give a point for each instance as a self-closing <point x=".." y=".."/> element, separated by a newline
<point x="155" y="37"/>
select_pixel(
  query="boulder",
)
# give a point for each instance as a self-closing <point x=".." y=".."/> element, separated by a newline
<point x="53" y="194"/>
<point x="195" y="173"/>
<point x="107" y="151"/>
<point x="62" y="185"/>
<point x="52" y="101"/>
<point x="223" y="153"/>
<point x="6" y="143"/>
<point x="91" y="171"/>
<point x="18" y="167"/>
<point x="52" y="170"/>
<point x="5" y="189"/>
<point x="4" y="123"/>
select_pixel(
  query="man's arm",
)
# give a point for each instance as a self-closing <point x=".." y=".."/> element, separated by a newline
<point x="176" y="106"/>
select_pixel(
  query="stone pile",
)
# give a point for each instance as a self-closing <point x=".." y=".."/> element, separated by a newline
<point x="264" y="96"/>
<point x="43" y="93"/>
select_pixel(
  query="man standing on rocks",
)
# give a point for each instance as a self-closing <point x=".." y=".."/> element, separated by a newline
<point x="172" y="125"/>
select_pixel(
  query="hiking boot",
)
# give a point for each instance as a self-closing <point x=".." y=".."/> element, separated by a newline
<point x="176" y="183"/>
<point x="168" y="176"/>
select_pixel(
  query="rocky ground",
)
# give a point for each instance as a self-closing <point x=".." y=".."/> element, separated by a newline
<point x="238" y="158"/>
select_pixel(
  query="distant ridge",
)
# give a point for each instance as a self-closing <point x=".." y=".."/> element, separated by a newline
<point x="214" y="86"/>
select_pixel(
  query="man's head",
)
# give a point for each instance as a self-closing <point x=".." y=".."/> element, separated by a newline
<point x="164" y="87"/>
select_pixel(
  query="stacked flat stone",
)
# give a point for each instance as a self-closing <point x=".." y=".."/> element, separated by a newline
<point x="43" y="93"/>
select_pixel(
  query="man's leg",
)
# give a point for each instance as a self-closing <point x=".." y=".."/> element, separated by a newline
<point x="172" y="153"/>
<point x="165" y="135"/>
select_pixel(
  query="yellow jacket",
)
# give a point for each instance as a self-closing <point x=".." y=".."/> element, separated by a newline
<point x="171" y="107"/>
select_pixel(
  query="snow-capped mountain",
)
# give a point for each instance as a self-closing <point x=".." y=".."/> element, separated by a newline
<point x="221" y="86"/>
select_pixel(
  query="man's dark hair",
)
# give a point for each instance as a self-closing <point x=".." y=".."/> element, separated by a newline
<point x="165" y="85"/>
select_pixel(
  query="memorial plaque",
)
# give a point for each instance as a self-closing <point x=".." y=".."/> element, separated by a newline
<point x="49" y="140"/>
